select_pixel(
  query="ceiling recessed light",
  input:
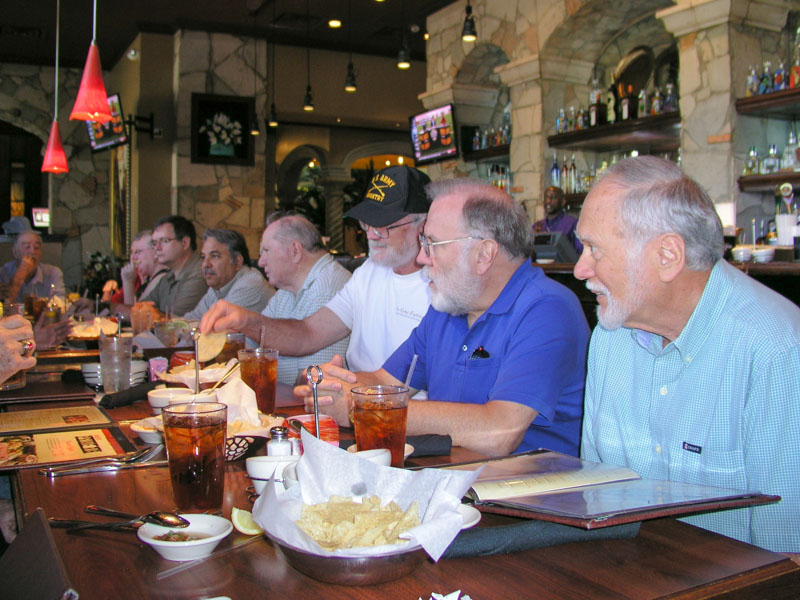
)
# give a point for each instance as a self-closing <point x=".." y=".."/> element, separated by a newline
<point x="334" y="23"/>
<point x="132" y="54"/>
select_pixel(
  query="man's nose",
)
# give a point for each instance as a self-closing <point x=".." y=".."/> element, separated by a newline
<point x="584" y="268"/>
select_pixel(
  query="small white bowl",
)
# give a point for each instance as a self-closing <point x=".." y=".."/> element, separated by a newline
<point x="261" y="468"/>
<point x="379" y="456"/>
<point x="213" y="529"/>
<point x="148" y="430"/>
<point x="161" y="397"/>
<point x="742" y="253"/>
<point x="407" y="450"/>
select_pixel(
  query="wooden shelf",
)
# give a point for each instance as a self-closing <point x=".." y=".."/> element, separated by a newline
<point x="574" y="201"/>
<point x="777" y="105"/>
<point x="487" y="153"/>
<point x="767" y="183"/>
<point x="653" y="134"/>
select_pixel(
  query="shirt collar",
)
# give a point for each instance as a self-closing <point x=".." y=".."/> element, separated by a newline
<point x="323" y="262"/>
<point x="504" y="302"/>
<point x="223" y="291"/>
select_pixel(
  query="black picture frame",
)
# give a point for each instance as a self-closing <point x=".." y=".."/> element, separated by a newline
<point x="220" y="129"/>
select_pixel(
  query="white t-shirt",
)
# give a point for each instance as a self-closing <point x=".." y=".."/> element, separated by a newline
<point x="381" y="309"/>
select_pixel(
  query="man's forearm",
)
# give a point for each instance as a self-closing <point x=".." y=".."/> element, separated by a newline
<point x="291" y="337"/>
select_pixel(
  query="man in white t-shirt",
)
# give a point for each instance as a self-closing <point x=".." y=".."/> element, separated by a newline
<point x="383" y="301"/>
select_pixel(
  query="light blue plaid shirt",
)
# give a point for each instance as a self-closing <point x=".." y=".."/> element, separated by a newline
<point x="718" y="406"/>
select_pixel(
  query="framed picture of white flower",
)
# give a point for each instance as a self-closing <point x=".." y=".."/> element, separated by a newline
<point x="221" y="129"/>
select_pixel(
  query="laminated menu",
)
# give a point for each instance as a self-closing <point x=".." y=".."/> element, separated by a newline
<point x="551" y="486"/>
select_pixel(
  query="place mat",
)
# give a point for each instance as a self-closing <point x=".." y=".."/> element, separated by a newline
<point x="129" y="396"/>
<point x="504" y="539"/>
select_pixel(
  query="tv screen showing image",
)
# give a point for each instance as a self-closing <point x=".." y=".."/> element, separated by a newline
<point x="107" y="135"/>
<point x="433" y="135"/>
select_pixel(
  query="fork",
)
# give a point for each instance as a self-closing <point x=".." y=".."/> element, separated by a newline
<point x="140" y="455"/>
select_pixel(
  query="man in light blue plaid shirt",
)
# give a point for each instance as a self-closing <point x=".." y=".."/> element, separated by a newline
<point x="694" y="370"/>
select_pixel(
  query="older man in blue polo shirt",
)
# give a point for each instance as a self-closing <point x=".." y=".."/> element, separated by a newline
<point x="502" y="349"/>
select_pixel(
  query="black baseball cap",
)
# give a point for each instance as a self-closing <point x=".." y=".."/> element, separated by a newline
<point x="392" y="194"/>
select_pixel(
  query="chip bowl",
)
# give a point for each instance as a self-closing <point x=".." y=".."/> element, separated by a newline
<point x="353" y="570"/>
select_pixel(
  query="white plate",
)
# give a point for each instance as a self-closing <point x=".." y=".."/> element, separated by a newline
<point x="545" y="261"/>
<point x="469" y="514"/>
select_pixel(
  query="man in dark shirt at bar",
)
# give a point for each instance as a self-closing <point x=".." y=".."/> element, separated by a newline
<point x="556" y="220"/>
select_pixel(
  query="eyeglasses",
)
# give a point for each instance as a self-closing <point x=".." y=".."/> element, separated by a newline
<point x="427" y="244"/>
<point x="383" y="232"/>
<point x="163" y="241"/>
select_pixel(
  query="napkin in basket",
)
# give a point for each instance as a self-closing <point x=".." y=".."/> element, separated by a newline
<point x="325" y="469"/>
<point x="186" y="377"/>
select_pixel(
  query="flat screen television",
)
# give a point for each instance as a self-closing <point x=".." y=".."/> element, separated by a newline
<point x="103" y="136"/>
<point x="554" y="246"/>
<point x="433" y="135"/>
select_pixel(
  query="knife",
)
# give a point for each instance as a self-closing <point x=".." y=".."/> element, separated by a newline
<point x="108" y="468"/>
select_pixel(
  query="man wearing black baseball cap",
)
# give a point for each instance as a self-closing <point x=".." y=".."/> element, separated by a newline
<point x="382" y="302"/>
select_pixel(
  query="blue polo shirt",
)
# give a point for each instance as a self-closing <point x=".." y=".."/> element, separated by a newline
<point x="528" y="347"/>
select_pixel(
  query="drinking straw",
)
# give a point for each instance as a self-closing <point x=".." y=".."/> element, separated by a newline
<point x="411" y="370"/>
<point x="262" y="340"/>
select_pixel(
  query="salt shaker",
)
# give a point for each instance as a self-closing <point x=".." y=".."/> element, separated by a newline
<point x="279" y="444"/>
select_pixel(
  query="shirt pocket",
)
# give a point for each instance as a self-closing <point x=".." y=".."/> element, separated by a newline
<point x="711" y="467"/>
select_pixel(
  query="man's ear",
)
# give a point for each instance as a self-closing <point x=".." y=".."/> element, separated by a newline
<point x="485" y="255"/>
<point x="295" y="251"/>
<point x="238" y="262"/>
<point x="186" y="242"/>
<point x="671" y="256"/>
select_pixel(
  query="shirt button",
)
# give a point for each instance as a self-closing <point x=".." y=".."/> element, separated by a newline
<point x="688" y="359"/>
<point x="658" y="448"/>
<point x="464" y="348"/>
<point x="663" y="390"/>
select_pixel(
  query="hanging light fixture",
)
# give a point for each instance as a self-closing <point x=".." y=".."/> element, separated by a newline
<point x="403" y="58"/>
<point x="350" y="80"/>
<point x="91" y="103"/>
<point x="272" y="118"/>
<point x="308" y="102"/>
<point x="469" y="33"/>
<point x="55" y="159"/>
<point x="254" y="130"/>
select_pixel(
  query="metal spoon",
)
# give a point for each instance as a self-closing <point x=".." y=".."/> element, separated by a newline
<point x="296" y="424"/>
<point x="314" y="377"/>
<point x="159" y="517"/>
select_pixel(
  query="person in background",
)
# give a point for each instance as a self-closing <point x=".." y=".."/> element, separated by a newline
<point x="693" y="371"/>
<point x="180" y="289"/>
<point x="382" y="302"/>
<point x="26" y="274"/>
<point x="296" y="262"/>
<point x="227" y="271"/>
<point x="556" y="220"/>
<point x="502" y="349"/>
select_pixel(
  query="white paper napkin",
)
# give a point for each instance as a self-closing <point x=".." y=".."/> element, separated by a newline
<point x="324" y="470"/>
<point x="241" y="402"/>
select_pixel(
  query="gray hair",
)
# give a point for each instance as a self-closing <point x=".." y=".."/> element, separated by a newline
<point x="660" y="199"/>
<point x="232" y="240"/>
<point x="143" y="234"/>
<point x="291" y="227"/>
<point x="489" y="213"/>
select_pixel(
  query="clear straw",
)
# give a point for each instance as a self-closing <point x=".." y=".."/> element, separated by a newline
<point x="411" y="370"/>
<point x="262" y="341"/>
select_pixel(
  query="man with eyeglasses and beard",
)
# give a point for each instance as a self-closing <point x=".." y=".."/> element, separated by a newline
<point x="502" y="350"/>
<point x="382" y="302"/>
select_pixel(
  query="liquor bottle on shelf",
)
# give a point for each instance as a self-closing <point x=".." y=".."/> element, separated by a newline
<point x="580" y="120"/>
<point x="751" y="166"/>
<point x="771" y="162"/>
<point x="657" y="103"/>
<point x="643" y="103"/>
<point x="670" y="98"/>
<point x="571" y="119"/>
<point x="779" y="79"/>
<point x="611" y="105"/>
<point x="555" y="172"/>
<point x="595" y="93"/>
<point x="765" y="81"/>
<point x="789" y="156"/>
<point x="561" y="121"/>
<point x="572" y="184"/>
<point x="627" y="108"/>
<point x="597" y="114"/>
<point x="752" y="83"/>
<point x="794" y="74"/>
<point x="564" y="174"/>
<point x="476" y="140"/>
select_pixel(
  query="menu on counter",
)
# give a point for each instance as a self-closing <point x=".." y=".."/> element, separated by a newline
<point x="557" y="487"/>
<point x="34" y="438"/>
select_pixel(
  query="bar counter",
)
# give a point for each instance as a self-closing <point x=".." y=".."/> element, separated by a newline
<point x="667" y="559"/>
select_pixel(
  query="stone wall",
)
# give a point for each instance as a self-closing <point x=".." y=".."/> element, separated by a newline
<point x="79" y="201"/>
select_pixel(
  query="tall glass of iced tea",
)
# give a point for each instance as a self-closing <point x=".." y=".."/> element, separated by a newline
<point x="259" y="367"/>
<point x="195" y="437"/>
<point x="380" y="413"/>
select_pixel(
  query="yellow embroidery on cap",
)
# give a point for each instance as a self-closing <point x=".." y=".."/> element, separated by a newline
<point x="379" y="184"/>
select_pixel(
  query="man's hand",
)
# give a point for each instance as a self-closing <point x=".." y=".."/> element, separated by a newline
<point x="27" y="265"/>
<point x="336" y="385"/>
<point x="50" y="335"/>
<point x="15" y="330"/>
<point x="224" y="316"/>
<point x="127" y="273"/>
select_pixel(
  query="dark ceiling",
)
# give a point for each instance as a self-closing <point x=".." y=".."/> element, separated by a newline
<point x="27" y="27"/>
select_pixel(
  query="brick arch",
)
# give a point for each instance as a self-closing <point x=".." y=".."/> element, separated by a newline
<point x="289" y="170"/>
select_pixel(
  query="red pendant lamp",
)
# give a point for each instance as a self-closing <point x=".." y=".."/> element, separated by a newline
<point x="55" y="159"/>
<point x="92" y="101"/>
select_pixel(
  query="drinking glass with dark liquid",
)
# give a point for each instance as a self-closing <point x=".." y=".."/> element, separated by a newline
<point x="233" y="343"/>
<point x="259" y="370"/>
<point x="17" y="380"/>
<point x="380" y="414"/>
<point x="195" y="439"/>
